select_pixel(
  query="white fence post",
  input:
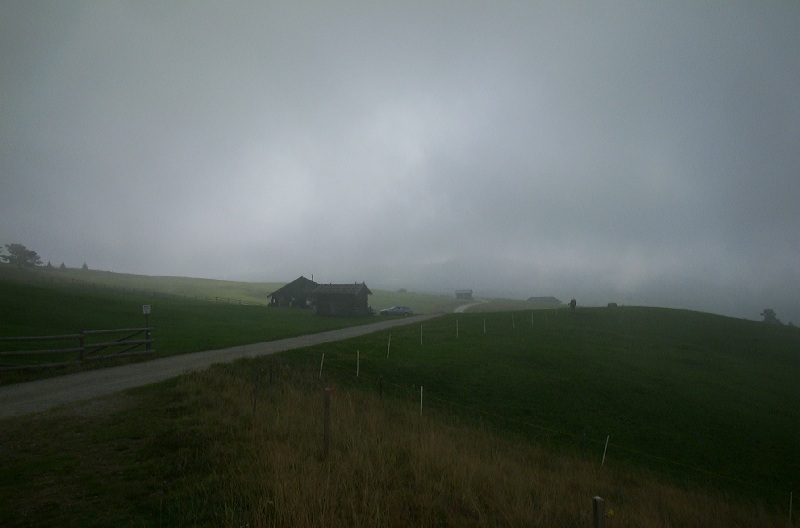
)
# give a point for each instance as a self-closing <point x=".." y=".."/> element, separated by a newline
<point x="326" y="422"/>
<point x="598" y="512"/>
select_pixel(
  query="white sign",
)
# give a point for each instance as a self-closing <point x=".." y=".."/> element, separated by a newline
<point x="145" y="309"/>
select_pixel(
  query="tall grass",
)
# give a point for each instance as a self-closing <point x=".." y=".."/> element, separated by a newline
<point x="196" y="451"/>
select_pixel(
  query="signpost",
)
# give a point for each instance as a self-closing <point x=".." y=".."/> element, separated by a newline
<point x="146" y="312"/>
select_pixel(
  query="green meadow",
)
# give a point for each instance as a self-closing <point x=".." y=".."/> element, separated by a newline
<point x="696" y="407"/>
<point x="187" y="315"/>
<point x="221" y="291"/>
<point x="693" y="396"/>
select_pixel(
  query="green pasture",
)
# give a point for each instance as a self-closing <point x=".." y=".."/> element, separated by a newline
<point x="229" y="292"/>
<point x="703" y="399"/>
<point x="700" y="398"/>
<point x="187" y="314"/>
<point x="180" y="324"/>
<point x="201" y="289"/>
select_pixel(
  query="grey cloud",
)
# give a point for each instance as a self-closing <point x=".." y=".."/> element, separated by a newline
<point x="636" y="150"/>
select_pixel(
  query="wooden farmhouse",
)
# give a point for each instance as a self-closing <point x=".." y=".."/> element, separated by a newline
<point x="298" y="294"/>
<point x="342" y="299"/>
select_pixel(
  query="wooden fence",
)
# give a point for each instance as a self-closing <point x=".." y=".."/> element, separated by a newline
<point x="85" y="349"/>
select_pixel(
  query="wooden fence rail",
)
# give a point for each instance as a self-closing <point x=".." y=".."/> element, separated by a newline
<point x="87" y="351"/>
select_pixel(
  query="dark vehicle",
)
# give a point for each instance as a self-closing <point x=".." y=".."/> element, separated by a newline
<point x="397" y="310"/>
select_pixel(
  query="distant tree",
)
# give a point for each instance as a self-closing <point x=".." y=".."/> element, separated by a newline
<point x="49" y="265"/>
<point x="84" y="267"/>
<point x="62" y="266"/>
<point x="770" y="317"/>
<point x="572" y="304"/>
<point x="21" y="256"/>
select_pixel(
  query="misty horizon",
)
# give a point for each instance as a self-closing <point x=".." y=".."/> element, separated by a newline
<point x="641" y="153"/>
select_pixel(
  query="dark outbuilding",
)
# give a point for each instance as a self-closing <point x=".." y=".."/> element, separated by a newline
<point x="464" y="295"/>
<point x="298" y="293"/>
<point x="342" y="299"/>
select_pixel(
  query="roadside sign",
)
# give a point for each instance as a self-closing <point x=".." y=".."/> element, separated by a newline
<point x="145" y="309"/>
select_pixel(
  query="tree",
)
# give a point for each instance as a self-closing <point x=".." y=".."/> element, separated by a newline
<point x="770" y="317"/>
<point x="572" y="304"/>
<point x="21" y="256"/>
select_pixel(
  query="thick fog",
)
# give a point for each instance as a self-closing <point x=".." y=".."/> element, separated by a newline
<point x="634" y="152"/>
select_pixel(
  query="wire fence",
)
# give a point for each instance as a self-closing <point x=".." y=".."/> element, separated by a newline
<point x="355" y="366"/>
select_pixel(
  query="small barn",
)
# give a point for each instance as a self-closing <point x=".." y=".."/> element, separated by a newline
<point x="342" y="299"/>
<point x="544" y="300"/>
<point x="464" y="294"/>
<point x="298" y="293"/>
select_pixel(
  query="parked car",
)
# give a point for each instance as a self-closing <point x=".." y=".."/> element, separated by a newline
<point x="397" y="310"/>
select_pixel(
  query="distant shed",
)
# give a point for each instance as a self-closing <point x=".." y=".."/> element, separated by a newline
<point x="544" y="300"/>
<point x="464" y="294"/>
<point x="298" y="293"/>
<point x="342" y="299"/>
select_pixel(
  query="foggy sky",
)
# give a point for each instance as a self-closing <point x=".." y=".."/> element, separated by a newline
<point x="635" y="152"/>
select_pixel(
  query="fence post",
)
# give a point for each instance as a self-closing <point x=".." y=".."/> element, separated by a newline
<point x="255" y="389"/>
<point x="82" y="341"/>
<point x="326" y="422"/>
<point x="598" y="512"/>
<point x="147" y="340"/>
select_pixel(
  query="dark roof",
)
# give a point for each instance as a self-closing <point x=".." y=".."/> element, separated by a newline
<point x="300" y="284"/>
<point x="550" y="300"/>
<point x="342" y="289"/>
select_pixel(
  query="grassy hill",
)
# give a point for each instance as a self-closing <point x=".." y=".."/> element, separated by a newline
<point x="188" y="315"/>
<point x="230" y="292"/>
<point x="690" y="395"/>
<point x="699" y="411"/>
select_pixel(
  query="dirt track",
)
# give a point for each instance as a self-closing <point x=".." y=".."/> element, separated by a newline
<point x="37" y="396"/>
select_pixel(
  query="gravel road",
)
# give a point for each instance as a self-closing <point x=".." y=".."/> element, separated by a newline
<point x="37" y="396"/>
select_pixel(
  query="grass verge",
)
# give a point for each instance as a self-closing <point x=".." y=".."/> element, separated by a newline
<point x="201" y="450"/>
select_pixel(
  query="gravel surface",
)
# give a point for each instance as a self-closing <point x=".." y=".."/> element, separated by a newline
<point x="37" y="396"/>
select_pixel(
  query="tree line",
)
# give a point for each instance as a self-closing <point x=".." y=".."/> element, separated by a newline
<point x="21" y="256"/>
